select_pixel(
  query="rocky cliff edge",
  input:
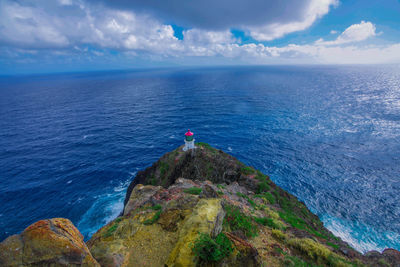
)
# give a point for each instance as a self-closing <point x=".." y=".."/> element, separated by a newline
<point x="197" y="208"/>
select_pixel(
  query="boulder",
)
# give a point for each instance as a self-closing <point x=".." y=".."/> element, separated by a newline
<point x="206" y="217"/>
<point x="53" y="242"/>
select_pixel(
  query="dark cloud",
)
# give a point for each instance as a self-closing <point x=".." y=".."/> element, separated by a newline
<point x="219" y="14"/>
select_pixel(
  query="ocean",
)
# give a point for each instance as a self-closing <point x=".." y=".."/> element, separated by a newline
<point x="71" y="143"/>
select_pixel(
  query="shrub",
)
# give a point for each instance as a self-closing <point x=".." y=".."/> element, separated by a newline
<point x="164" y="167"/>
<point x="269" y="222"/>
<point x="156" y="207"/>
<point x="153" y="219"/>
<point x="278" y="234"/>
<point x="270" y="197"/>
<point x="153" y="180"/>
<point x="238" y="221"/>
<point x="247" y="170"/>
<point x="261" y="177"/>
<point x="252" y="203"/>
<point x="112" y="228"/>
<point x="208" y="249"/>
<point x="193" y="190"/>
<point x="271" y="213"/>
<point x="262" y="187"/>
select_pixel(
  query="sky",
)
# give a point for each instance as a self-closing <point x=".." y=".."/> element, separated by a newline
<point x="41" y="36"/>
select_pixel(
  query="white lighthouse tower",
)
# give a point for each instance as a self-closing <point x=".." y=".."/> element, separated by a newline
<point x="189" y="141"/>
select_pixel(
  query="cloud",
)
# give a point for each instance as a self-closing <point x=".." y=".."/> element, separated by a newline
<point x="69" y="23"/>
<point x="263" y="19"/>
<point x="274" y="30"/>
<point x="78" y="29"/>
<point x="44" y="24"/>
<point x="354" y="33"/>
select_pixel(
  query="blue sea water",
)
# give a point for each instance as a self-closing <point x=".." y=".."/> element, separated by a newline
<point x="71" y="143"/>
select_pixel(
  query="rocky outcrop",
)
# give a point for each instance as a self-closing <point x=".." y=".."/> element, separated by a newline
<point x="54" y="242"/>
<point x="206" y="218"/>
<point x="197" y="208"/>
<point x="206" y="163"/>
<point x="389" y="257"/>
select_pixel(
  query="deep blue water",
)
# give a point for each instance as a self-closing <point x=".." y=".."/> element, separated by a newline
<point x="70" y="144"/>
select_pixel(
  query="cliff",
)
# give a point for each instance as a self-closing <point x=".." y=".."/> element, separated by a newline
<point x="197" y="208"/>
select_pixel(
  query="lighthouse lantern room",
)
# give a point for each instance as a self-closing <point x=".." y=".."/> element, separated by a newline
<point x="189" y="141"/>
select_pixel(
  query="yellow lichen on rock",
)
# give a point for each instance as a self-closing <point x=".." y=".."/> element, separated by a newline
<point x="205" y="218"/>
<point x="54" y="242"/>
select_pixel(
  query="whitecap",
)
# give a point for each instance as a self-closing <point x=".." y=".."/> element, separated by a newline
<point x="360" y="236"/>
<point x="105" y="208"/>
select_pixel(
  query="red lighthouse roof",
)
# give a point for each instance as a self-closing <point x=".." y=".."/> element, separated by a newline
<point x="188" y="133"/>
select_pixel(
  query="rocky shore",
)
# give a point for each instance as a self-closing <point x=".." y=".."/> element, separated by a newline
<point x="201" y="207"/>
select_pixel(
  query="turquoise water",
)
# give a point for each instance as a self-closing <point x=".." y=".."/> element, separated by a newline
<point x="71" y="143"/>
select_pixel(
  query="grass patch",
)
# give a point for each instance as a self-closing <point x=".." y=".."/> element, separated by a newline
<point x="299" y="223"/>
<point x="153" y="219"/>
<point x="293" y="261"/>
<point x="210" y="250"/>
<point x="270" y="222"/>
<point x="156" y="207"/>
<point x="263" y="187"/>
<point x="252" y="203"/>
<point x="236" y="220"/>
<point x="113" y="228"/>
<point x="220" y="193"/>
<point x="317" y="252"/>
<point x="289" y="215"/>
<point x="247" y="170"/>
<point x="268" y="196"/>
<point x="205" y="145"/>
<point x="220" y="186"/>
<point x="334" y="246"/>
<point x="193" y="190"/>
<point x="261" y="177"/>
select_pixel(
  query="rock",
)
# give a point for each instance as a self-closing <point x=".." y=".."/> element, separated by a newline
<point x="248" y="254"/>
<point x="392" y="254"/>
<point x="206" y="163"/>
<point x="169" y="219"/>
<point x="205" y="218"/>
<point x="54" y="242"/>
<point x="132" y="243"/>
<point x="209" y="191"/>
<point x="140" y="196"/>
<point x="299" y="233"/>
<point x="235" y="188"/>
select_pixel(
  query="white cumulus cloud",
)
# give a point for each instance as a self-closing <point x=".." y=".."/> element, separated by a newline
<point x="354" y="33"/>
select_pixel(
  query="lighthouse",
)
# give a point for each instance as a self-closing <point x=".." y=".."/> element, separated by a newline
<point x="189" y="141"/>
